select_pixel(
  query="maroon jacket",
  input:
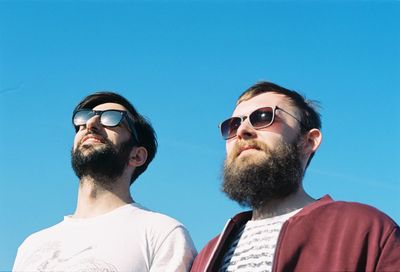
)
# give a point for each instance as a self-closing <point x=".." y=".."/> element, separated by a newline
<point x="326" y="235"/>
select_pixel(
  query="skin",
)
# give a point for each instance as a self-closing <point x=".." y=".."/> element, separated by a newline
<point x="95" y="198"/>
<point x="285" y="128"/>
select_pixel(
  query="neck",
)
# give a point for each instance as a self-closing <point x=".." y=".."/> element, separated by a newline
<point x="285" y="205"/>
<point x="95" y="198"/>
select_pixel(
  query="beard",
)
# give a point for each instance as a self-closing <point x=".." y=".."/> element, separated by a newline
<point x="254" y="179"/>
<point x="102" y="163"/>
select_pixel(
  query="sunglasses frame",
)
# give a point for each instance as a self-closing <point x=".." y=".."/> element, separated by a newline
<point x="244" y="117"/>
<point x="124" y="114"/>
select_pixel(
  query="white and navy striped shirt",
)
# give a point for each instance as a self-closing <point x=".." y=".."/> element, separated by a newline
<point x="253" y="248"/>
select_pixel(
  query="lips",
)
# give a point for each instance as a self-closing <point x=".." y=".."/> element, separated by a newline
<point x="92" y="138"/>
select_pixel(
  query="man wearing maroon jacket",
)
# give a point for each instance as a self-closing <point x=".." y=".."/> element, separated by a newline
<point x="270" y="140"/>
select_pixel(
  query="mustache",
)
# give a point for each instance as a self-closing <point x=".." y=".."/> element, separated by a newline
<point x="93" y="134"/>
<point x="246" y="144"/>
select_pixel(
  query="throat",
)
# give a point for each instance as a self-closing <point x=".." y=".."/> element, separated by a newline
<point x="277" y="207"/>
<point x="96" y="199"/>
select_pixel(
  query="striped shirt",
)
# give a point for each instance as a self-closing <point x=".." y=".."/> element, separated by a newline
<point x="253" y="248"/>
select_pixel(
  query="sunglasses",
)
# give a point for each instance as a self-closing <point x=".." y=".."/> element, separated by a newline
<point x="260" y="118"/>
<point x="108" y="118"/>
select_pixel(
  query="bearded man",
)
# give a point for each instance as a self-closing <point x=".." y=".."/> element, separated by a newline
<point x="270" y="140"/>
<point x="108" y="231"/>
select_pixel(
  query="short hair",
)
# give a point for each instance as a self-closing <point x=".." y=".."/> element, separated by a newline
<point x="145" y="132"/>
<point x="309" y="116"/>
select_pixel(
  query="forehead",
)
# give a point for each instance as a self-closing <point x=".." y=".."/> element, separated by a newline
<point x="110" y="106"/>
<point x="269" y="99"/>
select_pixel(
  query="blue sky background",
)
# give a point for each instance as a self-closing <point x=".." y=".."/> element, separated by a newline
<point x="183" y="64"/>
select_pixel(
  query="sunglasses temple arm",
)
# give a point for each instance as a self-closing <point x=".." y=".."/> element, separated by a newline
<point x="133" y="130"/>
<point x="278" y="108"/>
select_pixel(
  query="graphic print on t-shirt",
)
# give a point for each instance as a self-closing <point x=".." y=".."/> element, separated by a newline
<point x="51" y="257"/>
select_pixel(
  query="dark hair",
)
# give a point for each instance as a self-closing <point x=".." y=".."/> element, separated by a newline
<point x="309" y="116"/>
<point x="145" y="132"/>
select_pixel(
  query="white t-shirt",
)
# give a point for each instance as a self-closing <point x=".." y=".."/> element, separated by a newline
<point x="253" y="249"/>
<point x="129" y="238"/>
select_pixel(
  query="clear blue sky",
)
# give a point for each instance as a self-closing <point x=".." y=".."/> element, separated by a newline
<point x="183" y="64"/>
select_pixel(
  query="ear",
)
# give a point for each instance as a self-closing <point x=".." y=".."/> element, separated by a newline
<point x="312" y="141"/>
<point x="138" y="156"/>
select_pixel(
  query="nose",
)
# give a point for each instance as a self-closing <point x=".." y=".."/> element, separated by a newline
<point x="246" y="131"/>
<point x="93" y="123"/>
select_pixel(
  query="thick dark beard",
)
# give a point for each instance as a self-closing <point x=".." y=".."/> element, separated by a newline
<point x="277" y="175"/>
<point x="104" y="165"/>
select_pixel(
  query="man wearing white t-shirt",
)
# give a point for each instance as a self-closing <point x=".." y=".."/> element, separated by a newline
<point x="108" y="231"/>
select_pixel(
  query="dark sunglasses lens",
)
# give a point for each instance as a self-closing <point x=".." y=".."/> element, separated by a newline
<point x="111" y="118"/>
<point x="229" y="127"/>
<point x="262" y="117"/>
<point x="81" y="117"/>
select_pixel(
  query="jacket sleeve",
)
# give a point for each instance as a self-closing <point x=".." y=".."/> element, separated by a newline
<point x="389" y="260"/>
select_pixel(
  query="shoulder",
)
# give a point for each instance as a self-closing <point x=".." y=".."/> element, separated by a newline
<point x="148" y="216"/>
<point x="41" y="236"/>
<point x="231" y="226"/>
<point x="152" y="224"/>
<point x="214" y="247"/>
<point x="327" y="211"/>
<point x="358" y="210"/>
<point x="160" y="230"/>
<point x="204" y="257"/>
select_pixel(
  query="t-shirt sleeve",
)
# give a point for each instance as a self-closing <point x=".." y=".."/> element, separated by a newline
<point x="17" y="261"/>
<point x="20" y="257"/>
<point x="176" y="253"/>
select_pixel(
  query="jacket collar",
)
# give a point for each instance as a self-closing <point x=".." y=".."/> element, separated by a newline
<point x="241" y="218"/>
<point x="234" y="224"/>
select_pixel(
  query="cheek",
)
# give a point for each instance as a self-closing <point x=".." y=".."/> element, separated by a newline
<point x="116" y="138"/>
<point x="229" y="144"/>
<point x="77" y="139"/>
<point x="290" y="136"/>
